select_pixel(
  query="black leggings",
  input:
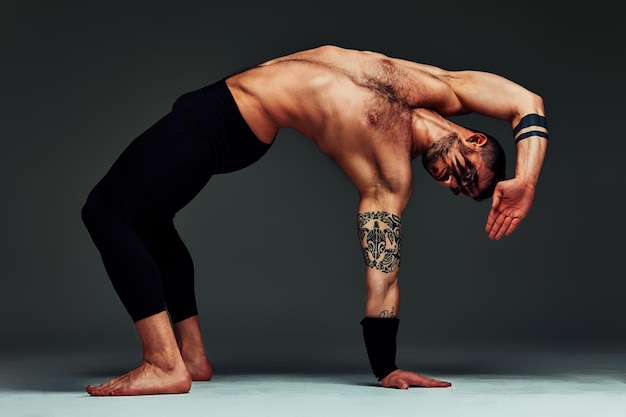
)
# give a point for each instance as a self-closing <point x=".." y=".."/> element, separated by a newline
<point x="129" y="214"/>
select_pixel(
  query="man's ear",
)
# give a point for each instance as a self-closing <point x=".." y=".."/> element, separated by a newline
<point x="476" y="139"/>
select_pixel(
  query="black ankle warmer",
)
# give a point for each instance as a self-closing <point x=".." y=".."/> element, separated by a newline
<point x="379" y="335"/>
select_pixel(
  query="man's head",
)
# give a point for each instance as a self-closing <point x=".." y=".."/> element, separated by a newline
<point x="470" y="166"/>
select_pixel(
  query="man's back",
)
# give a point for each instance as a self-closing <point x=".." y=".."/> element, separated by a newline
<point x="356" y="106"/>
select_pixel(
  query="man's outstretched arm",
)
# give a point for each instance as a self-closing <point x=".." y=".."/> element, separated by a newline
<point x="380" y="236"/>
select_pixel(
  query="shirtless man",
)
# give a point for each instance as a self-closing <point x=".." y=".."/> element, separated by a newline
<point x="372" y="114"/>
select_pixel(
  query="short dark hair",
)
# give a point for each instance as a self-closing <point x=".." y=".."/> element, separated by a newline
<point x="494" y="158"/>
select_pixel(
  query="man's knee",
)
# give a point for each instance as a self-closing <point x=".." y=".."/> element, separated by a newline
<point x="97" y="212"/>
<point x="90" y="212"/>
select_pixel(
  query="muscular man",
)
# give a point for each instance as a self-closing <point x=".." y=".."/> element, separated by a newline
<point x="372" y="114"/>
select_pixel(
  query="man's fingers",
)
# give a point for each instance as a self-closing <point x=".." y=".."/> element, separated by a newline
<point x="403" y="380"/>
<point x="509" y="224"/>
<point x="514" y="222"/>
<point x="491" y="220"/>
<point x="494" y="229"/>
<point x="425" y="381"/>
<point x="504" y="227"/>
<point x="500" y="224"/>
<point x="435" y="383"/>
<point x="493" y="213"/>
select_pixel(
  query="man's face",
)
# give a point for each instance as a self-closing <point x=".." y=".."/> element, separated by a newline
<point x="457" y="166"/>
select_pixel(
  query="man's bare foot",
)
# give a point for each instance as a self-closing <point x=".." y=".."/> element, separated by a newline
<point x="146" y="379"/>
<point x="191" y="348"/>
<point x="199" y="367"/>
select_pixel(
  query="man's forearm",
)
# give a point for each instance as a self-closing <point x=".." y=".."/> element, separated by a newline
<point x="380" y="238"/>
<point x="383" y="296"/>
<point x="530" y="133"/>
<point x="530" y="156"/>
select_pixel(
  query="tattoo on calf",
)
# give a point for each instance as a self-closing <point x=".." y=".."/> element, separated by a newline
<point x="379" y="233"/>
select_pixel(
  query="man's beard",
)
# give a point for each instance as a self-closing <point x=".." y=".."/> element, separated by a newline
<point x="439" y="149"/>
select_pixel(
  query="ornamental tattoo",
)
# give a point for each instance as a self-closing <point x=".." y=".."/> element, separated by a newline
<point x="379" y="234"/>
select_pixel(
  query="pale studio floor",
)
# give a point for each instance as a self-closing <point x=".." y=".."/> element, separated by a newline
<point x="485" y="383"/>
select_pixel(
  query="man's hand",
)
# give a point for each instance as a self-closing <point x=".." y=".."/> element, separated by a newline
<point x="511" y="202"/>
<point x="405" y="379"/>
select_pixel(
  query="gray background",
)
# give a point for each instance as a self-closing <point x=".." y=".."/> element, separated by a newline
<point x="279" y="271"/>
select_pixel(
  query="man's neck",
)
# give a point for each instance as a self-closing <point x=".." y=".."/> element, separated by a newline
<point x="429" y="127"/>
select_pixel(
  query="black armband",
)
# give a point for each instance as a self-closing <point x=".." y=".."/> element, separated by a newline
<point x="530" y="120"/>
<point x="379" y="335"/>
<point x="531" y="133"/>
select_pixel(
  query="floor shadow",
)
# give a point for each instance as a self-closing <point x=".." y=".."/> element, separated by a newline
<point x="58" y="372"/>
